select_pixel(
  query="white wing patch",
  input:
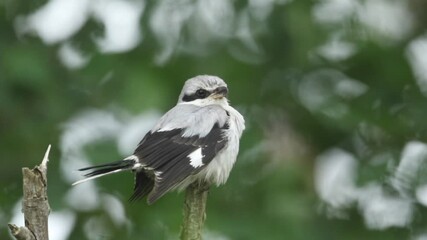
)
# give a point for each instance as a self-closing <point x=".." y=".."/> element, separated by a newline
<point x="196" y="158"/>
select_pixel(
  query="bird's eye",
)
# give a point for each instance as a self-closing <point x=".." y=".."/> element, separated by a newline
<point x="201" y="93"/>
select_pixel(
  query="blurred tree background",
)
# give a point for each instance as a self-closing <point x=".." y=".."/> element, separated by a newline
<point x="333" y="91"/>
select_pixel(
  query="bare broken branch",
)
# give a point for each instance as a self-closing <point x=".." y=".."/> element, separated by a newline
<point x="35" y="205"/>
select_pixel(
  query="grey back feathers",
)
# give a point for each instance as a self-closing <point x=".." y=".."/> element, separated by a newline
<point x="194" y="119"/>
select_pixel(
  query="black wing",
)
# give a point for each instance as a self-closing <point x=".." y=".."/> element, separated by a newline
<point x="167" y="154"/>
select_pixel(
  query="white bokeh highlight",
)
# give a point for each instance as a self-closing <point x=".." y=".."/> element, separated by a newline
<point x="335" y="182"/>
<point x="167" y="20"/>
<point x="334" y="177"/>
<point x="381" y="210"/>
<point x="334" y="11"/>
<point x="56" y="21"/>
<point x="325" y="91"/>
<point x="121" y="21"/>
<point x="416" y="53"/>
<point x="71" y="57"/>
<point x="387" y="18"/>
<point x="336" y="49"/>
<point x="421" y="194"/>
<point x="414" y="155"/>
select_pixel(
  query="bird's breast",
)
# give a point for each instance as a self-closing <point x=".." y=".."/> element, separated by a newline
<point x="218" y="170"/>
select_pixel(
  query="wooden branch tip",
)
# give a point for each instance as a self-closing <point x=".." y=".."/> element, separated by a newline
<point x="43" y="165"/>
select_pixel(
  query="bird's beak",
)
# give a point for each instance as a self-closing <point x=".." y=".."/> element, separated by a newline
<point x="220" y="92"/>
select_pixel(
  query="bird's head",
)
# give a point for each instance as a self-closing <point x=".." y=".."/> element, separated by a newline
<point x="204" y="90"/>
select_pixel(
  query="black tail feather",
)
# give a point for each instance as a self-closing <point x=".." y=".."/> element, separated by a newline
<point x="143" y="185"/>
<point x="111" y="164"/>
<point x="108" y="167"/>
<point x="104" y="169"/>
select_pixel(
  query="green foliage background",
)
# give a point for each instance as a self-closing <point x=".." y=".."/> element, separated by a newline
<point x="270" y="194"/>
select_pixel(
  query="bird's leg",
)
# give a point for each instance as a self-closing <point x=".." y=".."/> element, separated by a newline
<point x="203" y="187"/>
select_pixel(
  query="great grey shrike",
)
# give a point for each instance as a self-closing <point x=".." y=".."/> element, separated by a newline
<point x="195" y="141"/>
